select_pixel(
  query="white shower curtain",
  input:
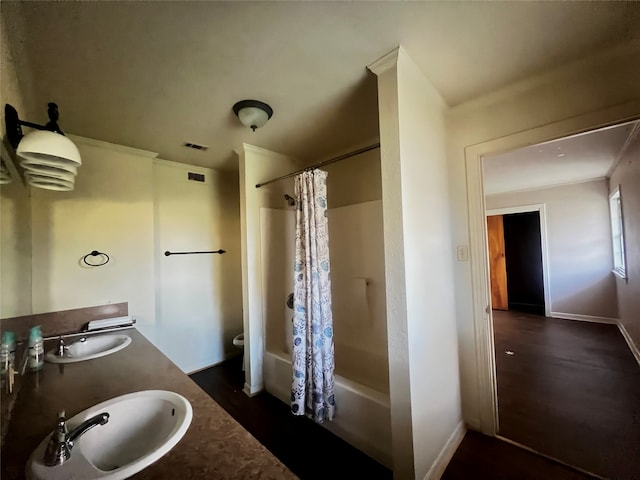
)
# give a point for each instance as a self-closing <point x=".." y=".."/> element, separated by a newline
<point x="312" y="391"/>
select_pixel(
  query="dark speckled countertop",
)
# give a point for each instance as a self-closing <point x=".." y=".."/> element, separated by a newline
<point x="214" y="447"/>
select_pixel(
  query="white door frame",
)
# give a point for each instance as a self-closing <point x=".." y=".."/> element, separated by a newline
<point x="538" y="207"/>
<point x="478" y="246"/>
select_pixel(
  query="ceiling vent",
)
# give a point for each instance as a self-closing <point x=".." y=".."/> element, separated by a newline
<point x="195" y="146"/>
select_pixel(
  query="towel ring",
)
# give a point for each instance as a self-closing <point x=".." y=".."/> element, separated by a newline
<point x="95" y="253"/>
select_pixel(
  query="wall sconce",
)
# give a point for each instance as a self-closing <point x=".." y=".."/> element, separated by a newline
<point x="49" y="159"/>
<point x="253" y="113"/>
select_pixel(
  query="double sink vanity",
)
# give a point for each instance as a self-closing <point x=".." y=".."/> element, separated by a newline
<point x="112" y="406"/>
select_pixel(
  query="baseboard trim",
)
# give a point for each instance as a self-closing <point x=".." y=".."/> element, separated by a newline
<point x="584" y="318"/>
<point x="251" y="392"/>
<point x="227" y="356"/>
<point x="445" y="455"/>
<point x="627" y="338"/>
<point x="191" y="372"/>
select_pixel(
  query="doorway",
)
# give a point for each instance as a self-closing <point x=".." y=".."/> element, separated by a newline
<point x="483" y="370"/>
<point x="555" y="379"/>
<point x="518" y="264"/>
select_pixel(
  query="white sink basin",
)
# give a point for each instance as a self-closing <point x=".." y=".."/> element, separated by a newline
<point x="89" y="348"/>
<point x="142" y="427"/>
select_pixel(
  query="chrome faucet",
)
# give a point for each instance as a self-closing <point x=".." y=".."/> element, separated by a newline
<point x="61" y="442"/>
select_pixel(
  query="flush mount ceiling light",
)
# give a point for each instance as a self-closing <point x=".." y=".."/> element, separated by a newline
<point x="253" y="113"/>
<point x="50" y="160"/>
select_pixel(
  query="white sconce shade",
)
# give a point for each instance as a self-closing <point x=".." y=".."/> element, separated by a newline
<point x="42" y="145"/>
<point x="49" y="167"/>
<point x="50" y="160"/>
<point x="43" y="171"/>
<point x="48" y="183"/>
<point x="253" y="113"/>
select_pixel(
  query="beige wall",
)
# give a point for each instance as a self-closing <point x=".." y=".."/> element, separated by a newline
<point x="355" y="180"/>
<point x="577" y="98"/>
<point x="627" y="175"/>
<point x="277" y="242"/>
<point x="422" y="344"/>
<point x="15" y="214"/>
<point x="119" y="195"/>
<point x="110" y="210"/>
<point x="15" y="250"/>
<point x="578" y="245"/>
<point x="198" y="297"/>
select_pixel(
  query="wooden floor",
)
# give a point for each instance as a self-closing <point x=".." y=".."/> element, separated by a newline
<point x="570" y="390"/>
<point x="481" y="457"/>
<point x="309" y="450"/>
<point x="289" y="437"/>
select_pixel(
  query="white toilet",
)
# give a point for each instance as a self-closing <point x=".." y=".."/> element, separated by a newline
<point x="238" y="342"/>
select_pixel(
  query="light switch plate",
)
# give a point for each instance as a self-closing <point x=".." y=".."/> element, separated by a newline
<point x="462" y="253"/>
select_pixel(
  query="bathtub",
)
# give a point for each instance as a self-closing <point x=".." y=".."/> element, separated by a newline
<point x="362" y="413"/>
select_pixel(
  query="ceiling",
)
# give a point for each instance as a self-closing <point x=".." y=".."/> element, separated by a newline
<point x="578" y="158"/>
<point x="153" y="75"/>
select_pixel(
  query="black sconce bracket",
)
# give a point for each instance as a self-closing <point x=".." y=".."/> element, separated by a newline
<point x="14" y="124"/>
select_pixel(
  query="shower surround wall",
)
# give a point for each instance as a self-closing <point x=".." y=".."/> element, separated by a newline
<point x="358" y="302"/>
<point x="357" y="288"/>
<point x="358" y="291"/>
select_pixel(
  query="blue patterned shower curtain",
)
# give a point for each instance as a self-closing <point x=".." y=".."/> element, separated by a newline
<point x="312" y="391"/>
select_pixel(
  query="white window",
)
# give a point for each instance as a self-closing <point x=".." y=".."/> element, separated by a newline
<point x="617" y="233"/>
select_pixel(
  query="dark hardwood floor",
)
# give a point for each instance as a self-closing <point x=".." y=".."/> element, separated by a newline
<point x="309" y="450"/>
<point x="570" y="390"/>
<point x="482" y="457"/>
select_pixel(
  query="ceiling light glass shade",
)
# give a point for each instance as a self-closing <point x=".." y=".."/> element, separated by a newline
<point x="253" y="113"/>
<point x="253" y="117"/>
<point x="43" y="145"/>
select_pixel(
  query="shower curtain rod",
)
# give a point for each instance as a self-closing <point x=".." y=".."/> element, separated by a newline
<point x="321" y="164"/>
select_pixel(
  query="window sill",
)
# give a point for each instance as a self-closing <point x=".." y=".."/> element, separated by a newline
<point x="620" y="273"/>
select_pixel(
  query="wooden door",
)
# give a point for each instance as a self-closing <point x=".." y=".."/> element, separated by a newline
<point x="497" y="263"/>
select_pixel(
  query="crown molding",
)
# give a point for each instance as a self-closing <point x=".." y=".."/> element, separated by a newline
<point x="245" y="147"/>
<point x="545" y="187"/>
<point x="112" y="146"/>
<point x="385" y="62"/>
<point x="635" y="131"/>
<point x="183" y="166"/>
